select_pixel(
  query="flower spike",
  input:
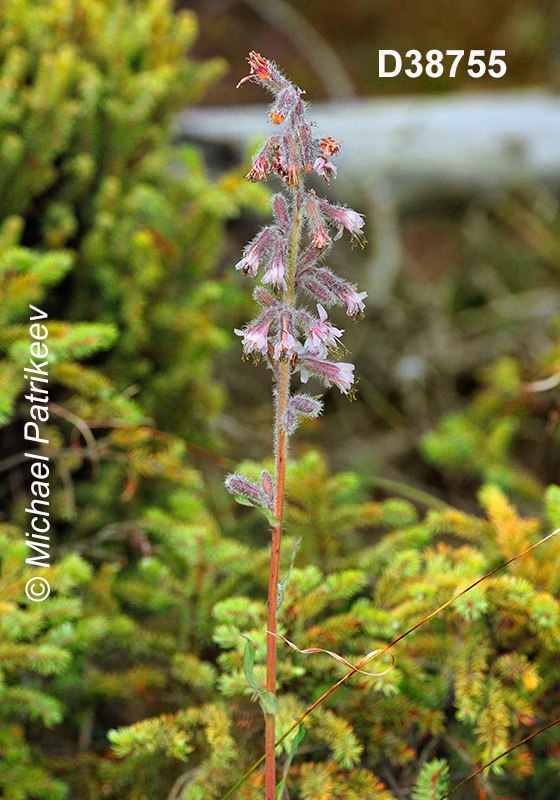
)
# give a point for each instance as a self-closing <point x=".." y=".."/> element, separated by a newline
<point x="292" y="341"/>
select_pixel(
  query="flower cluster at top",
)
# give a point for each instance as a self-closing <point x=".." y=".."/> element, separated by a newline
<point x="289" y="253"/>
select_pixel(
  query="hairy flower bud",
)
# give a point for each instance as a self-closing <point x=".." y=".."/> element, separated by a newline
<point x="283" y="106"/>
<point x="289" y="421"/>
<point x="327" y="287"/>
<point x="264" y="298"/>
<point x="307" y="405"/>
<point x="268" y="488"/>
<point x="280" y="212"/>
<point x="244" y="488"/>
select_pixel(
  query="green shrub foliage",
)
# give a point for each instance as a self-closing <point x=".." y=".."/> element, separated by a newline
<point x="128" y="683"/>
<point x="116" y="235"/>
<point x="88" y="94"/>
<point x="465" y="687"/>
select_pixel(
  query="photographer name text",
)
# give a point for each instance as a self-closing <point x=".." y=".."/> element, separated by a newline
<point x="36" y="373"/>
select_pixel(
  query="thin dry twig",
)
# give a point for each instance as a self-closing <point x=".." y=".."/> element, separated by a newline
<point x="82" y="426"/>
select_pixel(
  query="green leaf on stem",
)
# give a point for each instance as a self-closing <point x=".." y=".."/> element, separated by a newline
<point x="245" y="501"/>
<point x="295" y="744"/>
<point x="283" y="584"/>
<point x="272" y="520"/>
<point x="249" y="663"/>
<point x="268" y="700"/>
<point x="269" y="703"/>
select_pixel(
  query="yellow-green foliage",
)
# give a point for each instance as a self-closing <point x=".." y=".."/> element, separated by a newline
<point x="154" y="587"/>
<point x="464" y="686"/>
<point x="88" y="93"/>
<point x="481" y="441"/>
<point x="35" y="645"/>
<point x="116" y="235"/>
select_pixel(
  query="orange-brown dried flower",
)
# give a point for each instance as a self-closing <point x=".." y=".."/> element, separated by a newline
<point x="330" y="147"/>
<point x="259" y="68"/>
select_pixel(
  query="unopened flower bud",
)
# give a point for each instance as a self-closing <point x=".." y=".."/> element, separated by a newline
<point x="289" y="421"/>
<point x="242" y="487"/>
<point x="268" y="488"/>
<point x="307" y="405"/>
<point x="280" y="211"/>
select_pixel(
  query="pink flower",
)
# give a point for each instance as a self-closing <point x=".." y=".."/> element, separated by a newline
<point x="321" y="334"/>
<point x="353" y="300"/>
<point x="255" y="337"/>
<point x="345" y="217"/>
<point x="275" y="272"/>
<point x="326" y="169"/>
<point x="249" y="264"/>
<point x="286" y="344"/>
<point x="256" y="250"/>
<point x="341" y="374"/>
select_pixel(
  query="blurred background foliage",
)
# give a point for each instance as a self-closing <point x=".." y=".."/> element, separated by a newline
<point x="300" y="35"/>
<point x="128" y="681"/>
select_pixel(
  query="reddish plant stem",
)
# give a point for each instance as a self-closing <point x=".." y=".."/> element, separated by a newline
<point x="281" y="454"/>
<point x="281" y="444"/>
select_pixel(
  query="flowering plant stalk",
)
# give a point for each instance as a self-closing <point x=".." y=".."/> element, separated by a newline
<point x="291" y="338"/>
